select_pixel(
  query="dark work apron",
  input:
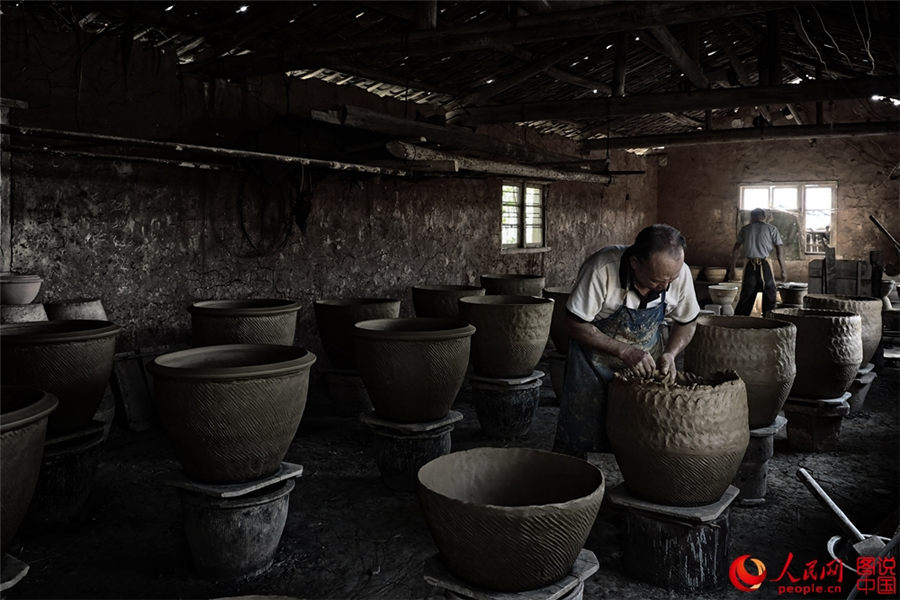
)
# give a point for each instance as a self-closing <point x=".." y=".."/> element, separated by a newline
<point x="582" y="411"/>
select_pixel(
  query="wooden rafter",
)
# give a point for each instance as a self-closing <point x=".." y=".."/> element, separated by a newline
<point x="673" y="50"/>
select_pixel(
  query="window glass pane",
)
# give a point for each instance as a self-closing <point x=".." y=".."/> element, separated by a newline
<point x="818" y="198"/>
<point x="509" y="219"/>
<point x="754" y="197"/>
<point x="534" y="236"/>
<point x="786" y="198"/>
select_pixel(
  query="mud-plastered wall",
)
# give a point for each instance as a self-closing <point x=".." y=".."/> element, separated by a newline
<point x="149" y="239"/>
<point x="699" y="192"/>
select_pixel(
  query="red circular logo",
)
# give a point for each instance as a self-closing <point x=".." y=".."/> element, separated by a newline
<point x="741" y="578"/>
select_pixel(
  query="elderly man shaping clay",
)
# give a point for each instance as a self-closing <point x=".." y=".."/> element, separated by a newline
<point x="615" y="319"/>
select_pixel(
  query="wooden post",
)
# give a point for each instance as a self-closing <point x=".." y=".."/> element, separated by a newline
<point x="877" y="271"/>
<point x="828" y="274"/>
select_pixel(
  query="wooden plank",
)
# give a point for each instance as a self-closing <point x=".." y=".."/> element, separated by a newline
<point x="594" y="108"/>
<point x="618" y="86"/>
<point x="426" y="14"/>
<point x="673" y="50"/>
<point x="788" y="132"/>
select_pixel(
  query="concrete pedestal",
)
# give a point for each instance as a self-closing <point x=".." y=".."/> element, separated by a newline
<point x="570" y="587"/>
<point x="859" y="388"/>
<point x="814" y="425"/>
<point x="753" y="474"/>
<point x="506" y="406"/>
<point x="684" y="549"/>
<point x="401" y="449"/>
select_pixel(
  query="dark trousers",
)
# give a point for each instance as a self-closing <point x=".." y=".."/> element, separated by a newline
<point x="757" y="278"/>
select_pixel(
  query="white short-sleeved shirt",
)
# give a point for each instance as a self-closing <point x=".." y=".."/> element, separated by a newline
<point x="599" y="290"/>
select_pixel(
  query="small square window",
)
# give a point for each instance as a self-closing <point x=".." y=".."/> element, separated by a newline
<point x="811" y="203"/>
<point x="522" y="216"/>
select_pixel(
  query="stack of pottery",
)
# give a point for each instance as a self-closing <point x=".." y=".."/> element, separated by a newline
<point x="253" y="321"/>
<point x="412" y="369"/>
<point x="724" y="296"/>
<point x="335" y="318"/>
<point x="511" y="284"/>
<point x="678" y="444"/>
<point x="23" y="427"/>
<point x="760" y="350"/>
<point x="509" y="519"/>
<point x="511" y="332"/>
<point x="17" y="294"/>
<point x="829" y="351"/>
<point x="559" y="336"/>
<point x="441" y="301"/>
<point x="231" y="412"/>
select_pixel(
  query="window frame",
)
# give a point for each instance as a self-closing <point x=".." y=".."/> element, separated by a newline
<point x="801" y="210"/>
<point x="521" y="245"/>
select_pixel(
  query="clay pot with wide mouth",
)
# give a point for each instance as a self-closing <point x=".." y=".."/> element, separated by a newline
<point x="19" y="289"/>
<point x="869" y="310"/>
<point x="829" y="349"/>
<point x="510" y="332"/>
<point x="715" y="274"/>
<point x="695" y="272"/>
<point x="231" y="410"/>
<point x="512" y="284"/>
<point x="441" y="301"/>
<point x="559" y="295"/>
<point x="76" y="308"/>
<point x="723" y="294"/>
<point x="70" y="359"/>
<point x="336" y="317"/>
<point x="509" y="519"/>
<point x="413" y="368"/>
<point x="760" y="350"/>
<point x="23" y="428"/>
<point x="793" y="293"/>
<point x="678" y="444"/>
<point x="253" y="321"/>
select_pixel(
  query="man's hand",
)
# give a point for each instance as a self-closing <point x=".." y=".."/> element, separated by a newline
<point x="666" y="367"/>
<point x="638" y="360"/>
<point x="781" y="277"/>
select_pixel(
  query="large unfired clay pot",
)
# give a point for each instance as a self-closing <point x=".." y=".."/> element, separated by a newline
<point x="76" y="308"/>
<point x="231" y="410"/>
<point x="559" y="295"/>
<point x="678" y="444"/>
<point x="510" y="332"/>
<point x="760" y="350"/>
<point x="509" y="519"/>
<point x="19" y="289"/>
<point x="441" y="301"/>
<point x="336" y="317"/>
<point x="23" y="428"/>
<point x="413" y="368"/>
<point x="869" y="309"/>
<point x="253" y="321"/>
<point x="829" y="348"/>
<point x="70" y="359"/>
<point x="512" y="284"/>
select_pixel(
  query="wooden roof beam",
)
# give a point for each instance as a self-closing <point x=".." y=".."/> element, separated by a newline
<point x="674" y="51"/>
<point x="743" y="75"/>
<point x="594" y="108"/>
<point x="728" y="136"/>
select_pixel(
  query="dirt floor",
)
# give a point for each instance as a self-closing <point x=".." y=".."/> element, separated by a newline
<point x="347" y="536"/>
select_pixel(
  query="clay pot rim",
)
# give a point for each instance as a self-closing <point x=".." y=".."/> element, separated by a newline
<point x="559" y="289"/>
<point x="353" y="301"/>
<point x="718" y="380"/>
<point x="448" y="288"/>
<point x="433" y="329"/>
<point x="722" y="287"/>
<point x="279" y="490"/>
<point x="40" y="406"/>
<point x="53" y="332"/>
<point x="512" y="276"/>
<point x="71" y="301"/>
<point x="519" y="511"/>
<point x="843" y="298"/>
<point x="505" y="300"/>
<point x="814" y="313"/>
<point x="256" y="307"/>
<point x="167" y="365"/>
<point x="14" y="278"/>
<point x="722" y="322"/>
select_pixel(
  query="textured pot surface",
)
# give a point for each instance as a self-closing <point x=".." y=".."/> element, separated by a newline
<point x="235" y="537"/>
<point x="413" y="368"/>
<point x="22" y="313"/>
<point x="253" y="321"/>
<point x="70" y="359"/>
<point x="510" y="333"/>
<point x="335" y="318"/>
<point x="509" y="519"/>
<point x="76" y="308"/>
<point x="512" y="284"/>
<point x="559" y="295"/>
<point x="19" y="289"/>
<point x="869" y="309"/>
<point x="23" y="427"/>
<point x="760" y="350"/>
<point x="678" y="444"/>
<point x="441" y="301"/>
<point x="231" y="411"/>
<point x="829" y="349"/>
